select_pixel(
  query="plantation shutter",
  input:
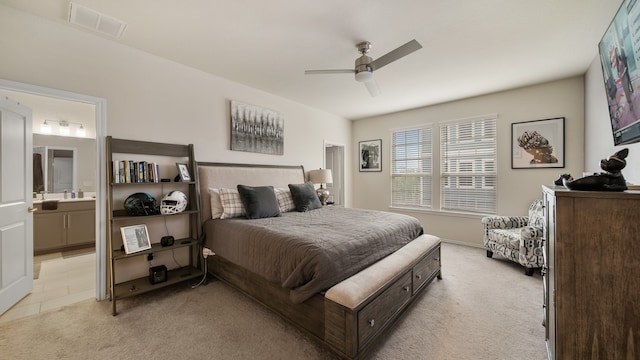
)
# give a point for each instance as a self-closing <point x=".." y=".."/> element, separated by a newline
<point x="468" y="165"/>
<point x="412" y="167"/>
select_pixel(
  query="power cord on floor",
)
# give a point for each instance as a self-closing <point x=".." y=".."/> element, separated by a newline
<point x="205" y="254"/>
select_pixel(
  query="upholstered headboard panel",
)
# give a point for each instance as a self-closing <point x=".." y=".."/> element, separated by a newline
<point x="221" y="175"/>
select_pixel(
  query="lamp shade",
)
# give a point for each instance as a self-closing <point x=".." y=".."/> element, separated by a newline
<point x="321" y="176"/>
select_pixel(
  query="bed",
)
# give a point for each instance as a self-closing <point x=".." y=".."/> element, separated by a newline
<point x="343" y="275"/>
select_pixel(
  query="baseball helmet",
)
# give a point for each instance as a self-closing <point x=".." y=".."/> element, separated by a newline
<point x="140" y="204"/>
<point x="174" y="202"/>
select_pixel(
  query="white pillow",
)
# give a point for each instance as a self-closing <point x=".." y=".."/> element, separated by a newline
<point x="231" y="203"/>
<point x="216" y="205"/>
<point x="285" y="200"/>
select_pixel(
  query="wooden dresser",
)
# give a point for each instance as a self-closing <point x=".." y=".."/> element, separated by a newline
<point x="592" y="274"/>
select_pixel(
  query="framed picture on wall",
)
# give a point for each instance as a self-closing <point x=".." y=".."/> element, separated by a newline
<point x="370" y="158"/>
<point x="537" y="144"/>
<point x="256" y="129"/>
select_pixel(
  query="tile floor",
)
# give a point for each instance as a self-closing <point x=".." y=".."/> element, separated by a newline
<point x="60" y="279"/>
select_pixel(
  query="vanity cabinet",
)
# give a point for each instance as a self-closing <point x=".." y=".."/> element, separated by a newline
<point x="72" y="224"/>
<point x="591" y="282"/>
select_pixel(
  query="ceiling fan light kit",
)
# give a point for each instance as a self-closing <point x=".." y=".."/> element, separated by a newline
<point x="365" y="65"/>
<point x="364" y="76"/>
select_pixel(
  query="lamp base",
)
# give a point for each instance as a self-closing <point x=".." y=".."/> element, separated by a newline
<point x="323" y="195"/>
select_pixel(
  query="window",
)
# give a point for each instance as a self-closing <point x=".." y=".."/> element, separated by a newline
<point x="468" y="165"/>
<point x="465" y="180"/>
<point x="411" y="167"/>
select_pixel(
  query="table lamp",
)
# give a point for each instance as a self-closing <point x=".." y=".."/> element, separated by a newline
<point x="321" y="176"/>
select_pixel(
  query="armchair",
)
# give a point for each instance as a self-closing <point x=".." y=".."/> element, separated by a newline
<point x="518" y="238"/>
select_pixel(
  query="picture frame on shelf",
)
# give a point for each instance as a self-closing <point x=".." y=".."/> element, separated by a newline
<point x="135" y="238"/>
<point x="370" y="155"/>
<point x="183" y="172"/>
<point x="537" y="144"/>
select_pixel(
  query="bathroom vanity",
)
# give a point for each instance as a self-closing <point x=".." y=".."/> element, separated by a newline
<point x="65" y="224"/>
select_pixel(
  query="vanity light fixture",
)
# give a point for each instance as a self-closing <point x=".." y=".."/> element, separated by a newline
<point x="64" y="128"/>
<point x="80" y="132"/>
<point x="45" y="128"/>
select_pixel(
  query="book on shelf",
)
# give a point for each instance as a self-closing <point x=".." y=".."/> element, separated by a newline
<point x="129" y="171"/>
<point x="115" y="171"/>
<point x="142" y="169"/>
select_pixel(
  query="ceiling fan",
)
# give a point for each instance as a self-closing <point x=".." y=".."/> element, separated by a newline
<point x="365" y="65"/>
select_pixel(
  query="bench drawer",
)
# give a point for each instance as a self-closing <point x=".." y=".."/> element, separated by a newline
<point x="373" y="317"/>
<point x="426" y="268"/>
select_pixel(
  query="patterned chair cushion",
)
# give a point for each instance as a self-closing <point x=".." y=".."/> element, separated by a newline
<point x="517" y="238"/>
<point x="506" y="237"/>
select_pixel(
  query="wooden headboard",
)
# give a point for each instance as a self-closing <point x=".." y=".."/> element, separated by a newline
<point x="222" y="175"/>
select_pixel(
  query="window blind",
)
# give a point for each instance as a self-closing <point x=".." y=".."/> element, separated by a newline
<point x="412" y="167"/>
<point x="468" y="165"/>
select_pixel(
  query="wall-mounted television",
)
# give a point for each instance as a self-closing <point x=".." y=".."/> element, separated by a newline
<point x="619" y="52"/>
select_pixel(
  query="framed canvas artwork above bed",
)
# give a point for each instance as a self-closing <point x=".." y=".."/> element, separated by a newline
<point x="256" y="129"/>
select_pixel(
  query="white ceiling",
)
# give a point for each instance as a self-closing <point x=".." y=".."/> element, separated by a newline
<point x="470" y="47"/>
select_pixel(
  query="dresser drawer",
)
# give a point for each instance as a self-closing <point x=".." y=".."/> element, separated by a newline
<point x="373" y="317"/>
<point x="426" y="268"/>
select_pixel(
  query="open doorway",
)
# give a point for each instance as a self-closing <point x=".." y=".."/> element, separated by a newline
<point x="334" y="161"/>
<point x="88" y="176"/>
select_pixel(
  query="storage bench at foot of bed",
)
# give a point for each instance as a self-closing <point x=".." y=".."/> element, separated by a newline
<point x="359" y="308"/>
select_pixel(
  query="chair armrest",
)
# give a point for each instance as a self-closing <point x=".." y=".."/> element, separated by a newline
<point x="504" y="222"/>
<point x="501" y="222"/>
<point x="531" y="241"/>
<point x="531" y="233"/>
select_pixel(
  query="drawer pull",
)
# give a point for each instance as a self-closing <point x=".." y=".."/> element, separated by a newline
<point x="406" y="288"/>
<point x="418" y="276"/>
<point x="372" y="322"/>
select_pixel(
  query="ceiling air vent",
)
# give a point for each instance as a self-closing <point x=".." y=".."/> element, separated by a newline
<point x="91" y="19"/>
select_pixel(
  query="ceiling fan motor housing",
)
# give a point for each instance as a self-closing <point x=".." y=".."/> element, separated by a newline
<point x="363" y="70"/>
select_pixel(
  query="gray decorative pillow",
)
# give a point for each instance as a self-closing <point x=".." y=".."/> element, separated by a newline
<point x="305" y="196"/>
<point x="259" y="201"/>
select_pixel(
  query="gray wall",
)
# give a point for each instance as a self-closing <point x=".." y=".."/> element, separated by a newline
<point x="516" y="187"/>
<point x="154" y="99"/>
<point x="150" y="98"/>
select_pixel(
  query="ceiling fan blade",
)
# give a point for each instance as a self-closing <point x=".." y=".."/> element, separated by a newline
<point x="373" y="88"/>
<point x="396" y="54"/>
<point x="336" y="71"/>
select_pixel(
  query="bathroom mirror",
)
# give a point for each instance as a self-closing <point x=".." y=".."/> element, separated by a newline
<point x="54" y="169"/>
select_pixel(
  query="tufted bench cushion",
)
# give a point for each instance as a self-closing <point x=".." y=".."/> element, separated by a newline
<point x="355" y="290"/>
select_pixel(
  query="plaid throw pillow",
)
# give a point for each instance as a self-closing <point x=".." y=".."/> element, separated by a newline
<point x="285" y="200"/>
<point x="231" y="204"/>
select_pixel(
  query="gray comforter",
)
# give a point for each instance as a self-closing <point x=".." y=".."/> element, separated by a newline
<point x="308" y="252"/>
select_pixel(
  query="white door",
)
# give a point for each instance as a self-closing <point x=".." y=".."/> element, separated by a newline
<point x="334" y="160"/>
<point x="16" y="202"/>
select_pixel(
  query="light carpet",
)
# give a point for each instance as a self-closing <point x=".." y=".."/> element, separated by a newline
<point x="482" y="309"/>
